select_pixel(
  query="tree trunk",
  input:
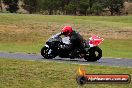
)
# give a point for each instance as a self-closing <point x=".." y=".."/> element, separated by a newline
<point x="50" y="12"/>
<point x="1" y="6"/>
<point x="111" y="11"/>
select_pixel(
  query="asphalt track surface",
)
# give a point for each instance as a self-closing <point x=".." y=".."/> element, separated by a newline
<point x="120" y="62"/>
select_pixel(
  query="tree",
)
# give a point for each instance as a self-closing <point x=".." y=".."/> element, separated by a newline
<point x="12" y="5"/>
<point x="83" y="6"/>
<point x="114" y="6"/>
<point x="97" y="8"/>
<point x="1" y="5"/>
<point x="91" y="2"/>
<point x="49" y="5"/>
<point x="91" y="7"/>
<point x="72" y="7"/>
<point x="30" y="5"/>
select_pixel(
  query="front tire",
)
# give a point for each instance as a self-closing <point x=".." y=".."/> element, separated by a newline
<point x="45" y="53"/>
<point x="93" y="54"/>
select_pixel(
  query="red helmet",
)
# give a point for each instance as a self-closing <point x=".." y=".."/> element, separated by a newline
<point x="66" y="30"/>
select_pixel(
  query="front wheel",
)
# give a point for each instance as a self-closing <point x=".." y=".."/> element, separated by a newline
<point x="46" y="52"/>
<point x="93" y="54"/>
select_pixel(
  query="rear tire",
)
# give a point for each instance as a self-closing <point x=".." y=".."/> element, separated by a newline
<point x="93" y="54"/>
<point x="45" y="53"/>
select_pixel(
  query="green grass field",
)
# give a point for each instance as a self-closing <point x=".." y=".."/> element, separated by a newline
<point x="28" y="33"/>
<point x="41" y="74"/>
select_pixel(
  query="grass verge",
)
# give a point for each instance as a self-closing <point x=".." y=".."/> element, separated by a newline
<point x="116" y="48"/>
<point x="40" y="74"/>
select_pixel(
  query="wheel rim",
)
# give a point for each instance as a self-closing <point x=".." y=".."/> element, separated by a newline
<point x="45" y="51"/>
<point x="96" y="54"/>
<point x="92" y="56"/>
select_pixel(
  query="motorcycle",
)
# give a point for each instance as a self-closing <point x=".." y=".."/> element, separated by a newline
<point x="53" y="48"/>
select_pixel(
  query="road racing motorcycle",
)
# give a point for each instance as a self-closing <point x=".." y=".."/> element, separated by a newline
<point x="53" y="48"/>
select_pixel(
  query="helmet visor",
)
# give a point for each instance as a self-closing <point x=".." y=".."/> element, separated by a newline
<point x="65" y="33"/>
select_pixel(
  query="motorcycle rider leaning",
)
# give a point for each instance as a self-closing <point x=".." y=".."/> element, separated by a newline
<point x="76" y="41"/>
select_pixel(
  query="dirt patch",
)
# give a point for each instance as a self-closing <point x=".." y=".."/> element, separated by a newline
<point x="36" y="32"/>
<point x="114" y="34"/>
<point x="27" y="32"/>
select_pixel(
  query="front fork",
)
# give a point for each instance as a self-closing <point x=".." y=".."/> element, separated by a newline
<point x="50" y="50"/>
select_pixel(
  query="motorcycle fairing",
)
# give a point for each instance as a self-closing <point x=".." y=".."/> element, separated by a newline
<point x="95" y="41"/>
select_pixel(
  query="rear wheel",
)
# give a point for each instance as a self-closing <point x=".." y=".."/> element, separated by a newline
<point x="47" y="53"/>
<point x="94" y="54"/>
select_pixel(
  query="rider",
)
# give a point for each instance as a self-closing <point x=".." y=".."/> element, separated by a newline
<point x="76" y="40"/>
